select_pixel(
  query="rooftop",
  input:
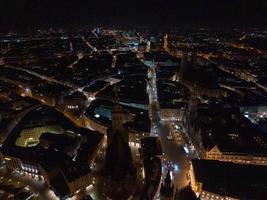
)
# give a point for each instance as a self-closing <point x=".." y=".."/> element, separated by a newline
<point x="233" y="180"/>
<point x="231" y="132"/>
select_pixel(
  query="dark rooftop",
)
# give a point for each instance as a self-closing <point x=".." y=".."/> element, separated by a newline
<point x="151" y="146"/>
<point x="231" y="132"/>
<point x="234" y="180"/>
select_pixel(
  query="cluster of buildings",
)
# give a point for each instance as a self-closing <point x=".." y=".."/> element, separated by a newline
<point x="46" y="145"/>
<point x="210" y="83"/>
<point x="225" y="109"/>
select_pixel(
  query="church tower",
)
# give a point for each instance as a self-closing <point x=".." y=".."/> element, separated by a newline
<point x="117" y="117"/>
<point x="118" y="160"/>
<point x="167" y="188"/>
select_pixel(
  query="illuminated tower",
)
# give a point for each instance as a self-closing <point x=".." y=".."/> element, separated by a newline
<point x="166" y="43"/>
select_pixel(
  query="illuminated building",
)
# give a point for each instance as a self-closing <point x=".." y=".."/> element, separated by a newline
<point x="57" y="153"/>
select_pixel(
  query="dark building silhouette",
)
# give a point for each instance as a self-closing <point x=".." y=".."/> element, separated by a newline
<point x="118" y="161"/>
<point x="167" y="188"/>
<point x="186" y="194"/>
<point x="200" y="79"/>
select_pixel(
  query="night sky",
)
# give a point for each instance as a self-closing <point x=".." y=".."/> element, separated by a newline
<point x="74" y="13"/>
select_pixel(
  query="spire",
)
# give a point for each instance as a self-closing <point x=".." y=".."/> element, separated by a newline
<point x="168" y="180"/>
<point x="167" y="188"/>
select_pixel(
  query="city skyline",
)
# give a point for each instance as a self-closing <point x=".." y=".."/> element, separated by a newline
<point x="133" y="100"/>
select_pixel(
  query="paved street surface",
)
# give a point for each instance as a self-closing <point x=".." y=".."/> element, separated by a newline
<point x="29" y="183"/>
<point x="174" y="158"/>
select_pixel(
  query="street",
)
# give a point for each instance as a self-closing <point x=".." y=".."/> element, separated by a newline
<point x="27" y="183"/>
<point x="174" y="158"/>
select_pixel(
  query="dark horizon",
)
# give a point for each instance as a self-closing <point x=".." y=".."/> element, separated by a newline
<point x="30" y="14"/>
